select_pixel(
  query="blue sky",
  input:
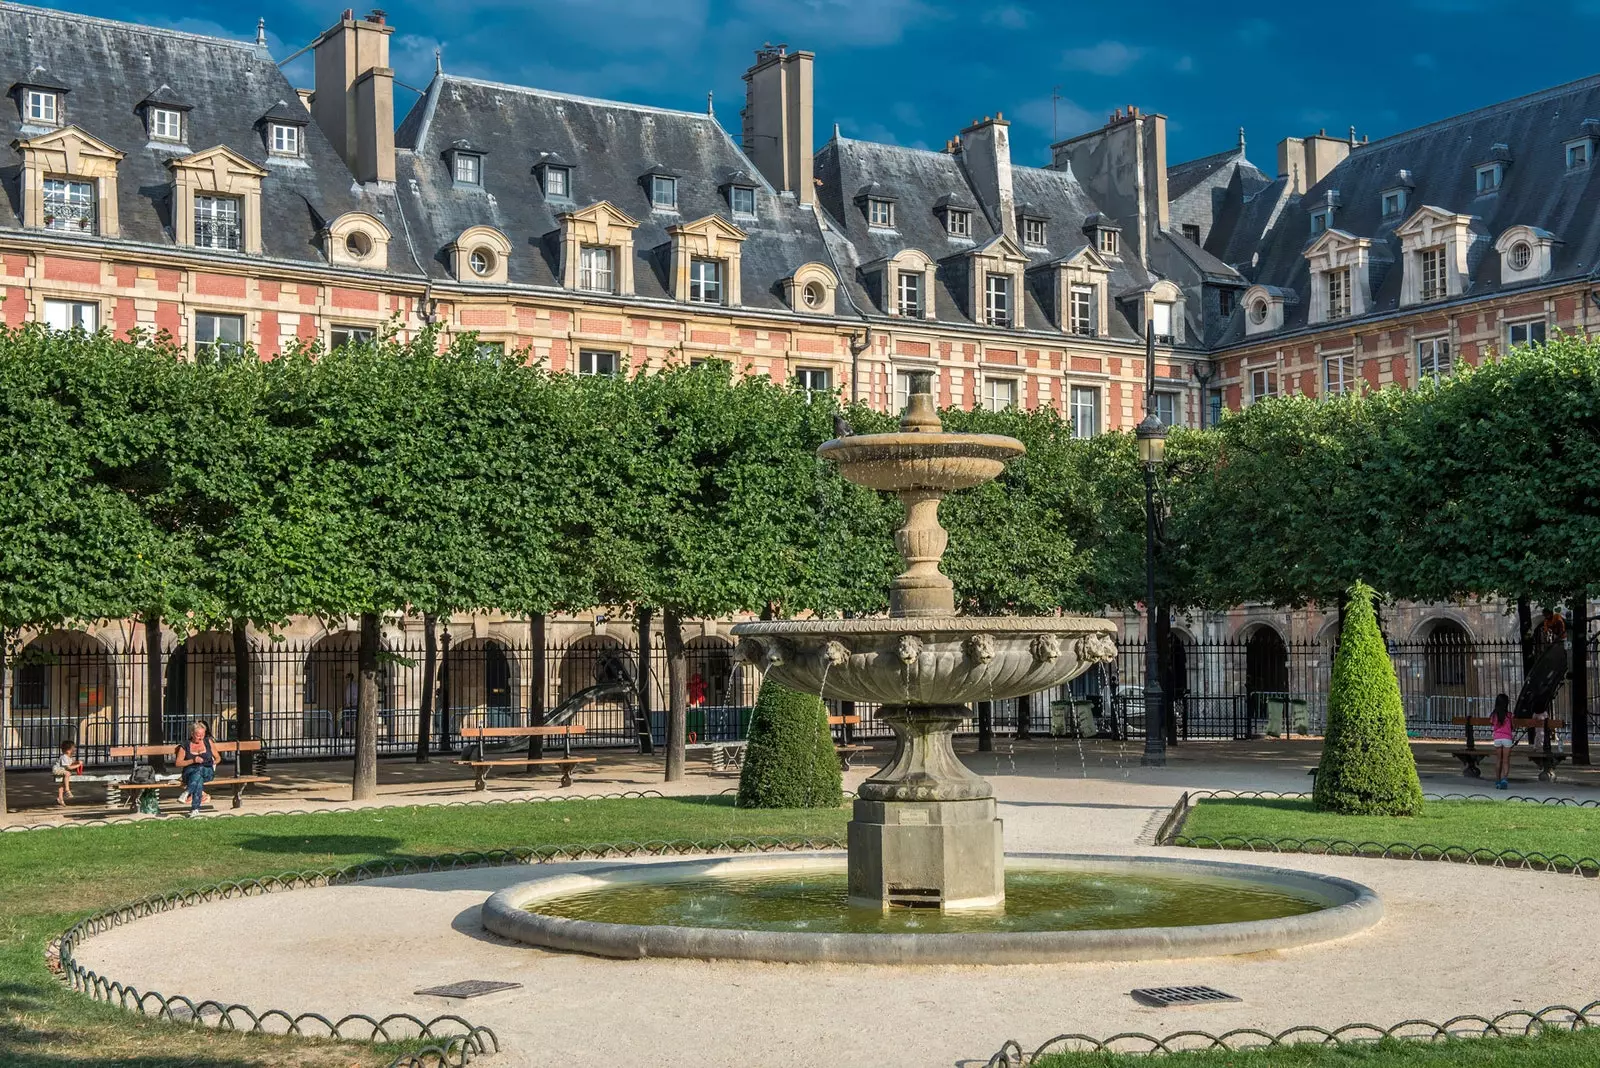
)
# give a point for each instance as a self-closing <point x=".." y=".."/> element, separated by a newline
<point x="916" y="71"/>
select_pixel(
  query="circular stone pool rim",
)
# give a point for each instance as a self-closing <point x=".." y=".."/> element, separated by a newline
<point x="1351" y="908"/>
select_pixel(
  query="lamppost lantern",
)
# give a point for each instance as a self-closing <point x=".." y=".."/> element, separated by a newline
<point x="1152" y="437"/>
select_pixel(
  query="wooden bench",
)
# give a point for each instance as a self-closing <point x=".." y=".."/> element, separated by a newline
<point x="565" y="762"/>
<point x="129" y="792"/>
<point x="1472" y="755"/>
<point x="847" y="751"/>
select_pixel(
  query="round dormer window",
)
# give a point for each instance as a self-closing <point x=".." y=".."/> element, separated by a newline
<point x="813" y="295"/>
<point x="358" y="244"/>
<point x="481" y="261"/>
<point x="1258" y="312"/>
<point x="1521" y="256"/>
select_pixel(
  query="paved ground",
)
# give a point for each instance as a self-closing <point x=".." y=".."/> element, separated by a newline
<point x="1444" y="947"/>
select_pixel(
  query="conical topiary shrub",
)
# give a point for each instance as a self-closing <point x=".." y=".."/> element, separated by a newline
<point x="1366" y="768"/>
<point x="790" y="762"/>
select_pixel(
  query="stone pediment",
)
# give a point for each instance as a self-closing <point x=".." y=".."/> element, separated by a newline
<point x="74" y="147"/>
<point x="222" y="161"/>
<point x="602" y="215"/>
<point x="710" y="231"/>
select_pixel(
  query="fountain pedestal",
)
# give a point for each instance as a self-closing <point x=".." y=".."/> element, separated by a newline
<point x="925" y="833"/>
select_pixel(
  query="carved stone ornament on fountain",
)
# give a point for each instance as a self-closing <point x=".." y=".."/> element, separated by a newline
<point x="924" y="832"/>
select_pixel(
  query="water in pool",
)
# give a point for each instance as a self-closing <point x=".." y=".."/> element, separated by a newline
<point x="1036" y="900"/>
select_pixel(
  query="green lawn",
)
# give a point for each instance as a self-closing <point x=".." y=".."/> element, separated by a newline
<point x="1553" y="1049"/>
<point x="1470" y="825"/>
<point x="49" y="879"/>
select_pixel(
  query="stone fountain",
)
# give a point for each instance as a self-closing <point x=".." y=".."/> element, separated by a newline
<point x="924" y="833"/>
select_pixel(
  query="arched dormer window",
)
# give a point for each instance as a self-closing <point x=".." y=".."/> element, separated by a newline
<point x="480" y="254"/>
<point x="1264" y="308"/>
<point x="1525" y="254"/>
<point x="357" y="239"/>
<point x="811" y="289"/>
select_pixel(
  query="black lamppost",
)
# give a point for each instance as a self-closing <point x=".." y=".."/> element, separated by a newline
<point x="1152" y="436"/>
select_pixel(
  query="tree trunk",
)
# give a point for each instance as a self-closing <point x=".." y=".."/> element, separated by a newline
<point x="244" y="723"/>
<point x="1169" y="692"/>
<point x="430" y="683"/>
<point x="1579" y="633"/>
<point x="1025" y="717"/>
<point x="538" y="683"/>
<point x="365" y="784"/>
<point x="985" y="726"/>
<point x="677" y="695"/>
<point x="647" y="743"/>
<point x="443" y="711"/>
<point x="155" y="725"/>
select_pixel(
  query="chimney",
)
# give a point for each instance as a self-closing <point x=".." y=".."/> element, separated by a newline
<point x="986" y="155"/>
<point x="1123" y="165"/>
<point x="778" y="115"/>
<point x="1305" y="161"/>
<point x="353" y="101"/>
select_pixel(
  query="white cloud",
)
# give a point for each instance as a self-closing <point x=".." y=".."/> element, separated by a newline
<point x="1107" y="58"/>
<point x="864" y="23"/>
<point x="1184" y="65"/>
<point x="1008" y="17"/>
<point x="1057" y="119"/>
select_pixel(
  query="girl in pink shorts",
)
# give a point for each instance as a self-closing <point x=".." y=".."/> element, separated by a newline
<point x="1504" y="739"/>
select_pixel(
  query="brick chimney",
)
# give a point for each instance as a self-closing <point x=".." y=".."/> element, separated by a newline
<point x="778" y="117"/>
<point x="354" y="98"/>
<point x="1305" y="161"/>
<point x="986" y="155"/>
<point x="1123" y="165"/>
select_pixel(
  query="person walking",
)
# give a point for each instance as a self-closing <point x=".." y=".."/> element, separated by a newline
<point x="1504" y="737"/>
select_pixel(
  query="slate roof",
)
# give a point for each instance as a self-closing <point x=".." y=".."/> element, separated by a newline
<point x="611" y="148"/>
<point x="1538" y="190"/>
<point x="110" y="68"/>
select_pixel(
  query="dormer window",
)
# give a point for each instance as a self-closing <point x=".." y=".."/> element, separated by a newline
<point x="41" y="107"/>
<point x="166" y="124"/>
<point x="557" y="182"/>
<point x="1394" y="203"/>
<point x="880" y="213"/>
<point x="958" y="222"/>
<point x="1108" y="242"/>
<point x="742" y="200"/>
<point x="663" y="192"/>
<point x="1578" y="154"/>
<point x="1430" y="273"/>
<point x="284" y="139"/>
<point x="468" y="169"/>
<point x="1490" y="176"/>
<point x="1320" y="221"/>
<point x="1033" y="232"/>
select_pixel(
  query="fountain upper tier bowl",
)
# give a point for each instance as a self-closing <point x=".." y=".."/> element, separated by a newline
<point x="920" y="460"/>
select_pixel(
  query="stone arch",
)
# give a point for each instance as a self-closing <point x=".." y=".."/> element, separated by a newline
<point x="482" y="682"/>
<point x="1266" y="665"/>
<point x="588" y="662"/>
<point x="1448" y="660"/>
<point x="329" y="676"/>
<point x="200" y="682"/>
<point x="64" y="688"/>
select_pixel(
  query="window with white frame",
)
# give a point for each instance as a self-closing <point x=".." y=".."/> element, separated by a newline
<point x="219" y="333"/>
<point x="1394" y="202"/>
<point x="42" y="107"/>
<point x="1433" y="358"/>
<point x="1338" y="374"/>
<point x="1083" y="405"/>
<point x="1081" y="319"/>
<point x="1166" y="407"/>
<point x="1033" y="232"/>
<point x="1528" y="332"/>
<point x="1108" y="242"/>
<point x="69" y="205"/>
<point x="1489" y="177"/>
<point x="216" y="222"/>
<point x="340" y="336"/>
<point x="557" y="182"/>
<point x="742" y="199"/>
<point x="285" y="139"/>
<point x="908" y="294"/>
<point x="664" y="193"/>
<point x="705" y="281"/>
<point x="1577" y="155"/>
<point x="1430" y="267"/>
<point x="1161" y="318"/>
<point x="597" y="362"/>
<point x="958" y="223"/>
<point x="166" y="124"/>
<point x="1338" y="281"/>
<point x="880" y="212"/>
<point x="1263" y="383"/>
<point x="1521" y="256"/>
<point x="468" y="169"/>
<point x="67" y="315"/>
<point x="999" y="393"/>
<point x="596" y="269"/>
<point x="997" y="299"/>
<point x="813" y="380"/>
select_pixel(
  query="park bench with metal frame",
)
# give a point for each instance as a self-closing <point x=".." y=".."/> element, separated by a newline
<point x="848" y="749"/>
<point x="125" y="791"/>
<point x="1472" y="755"/>
<point x="482" y="762"/>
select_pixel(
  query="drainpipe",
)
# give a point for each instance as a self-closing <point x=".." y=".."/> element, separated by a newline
<point x="427" y="280"/>
<point x="1205" y="380"/>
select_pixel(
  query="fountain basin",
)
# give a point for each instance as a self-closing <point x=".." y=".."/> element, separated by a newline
<point x="802" y="922"/>
<point x="914" y="460"/>
<point x="942" y="660"/>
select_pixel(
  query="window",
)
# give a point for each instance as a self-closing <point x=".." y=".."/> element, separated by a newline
<point x="216" y="222"/>
<point x="1108" y="242"/>
<point x="1213" y="407"/>
<point x="664" y="193"/>
<point x="1394" y="203"/>
<point x="1166" y="408"/>
<point x="1162" y="321"/>
<point x="997" y="299"/>
<point x="1084" y="407"/>
<point x="742" y="199"/>
<point x="813" y="295"/>
<point x="1338" y="374"/>
<point x="285" y="140"/>
<point x="1258" y="312"/>
<point x="340" y="336"/>
<point x="67" y="315"/>
<point x="42" y="107"/>
<point x="1191" y="232"/>
<point x="596" y="272"/>
<point x="557" y="182"/>
<point x="1521" y="256"/>
<point x="907" y="382"/>
<point x="958" y="223"/>
<point x="908" y="294"/>
<point x="814" y="380"/>
<point x="220" y="333"/>
<point x="1525" y="333"/>
<point x="489" y="350"/>
<point x="1577" y="155"/>
<point x="705" y="281"/>
<point x="1430" y="262"/>
<point x="1489" y="178"/>
<point x="468" y="169"/>
<point x="880" y="212"/>
<point x="1433" y="358"/>
<point x="481" y="261"/>
<point x="1225" y="302"/>
<point x="596" y="362"/>
<point x="1263" y="384"/>
<point x="999" y="393"/>
<point x="1033" y="232"/>
<point x="1339" y="293"/>
<point x="69" y="205"/>
<point x="1081" y="321"/>
<point x="166" y="124"/>
<point x="1320" y="221"/>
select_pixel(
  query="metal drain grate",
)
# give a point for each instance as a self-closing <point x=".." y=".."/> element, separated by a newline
<point x="470" y="988"/>
<point x="1163" y="996"/>
<point x="915" y="897"/>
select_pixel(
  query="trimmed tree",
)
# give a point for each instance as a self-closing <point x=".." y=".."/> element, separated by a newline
<point x="1367" y="768"/>
<point x="790" y="762"/>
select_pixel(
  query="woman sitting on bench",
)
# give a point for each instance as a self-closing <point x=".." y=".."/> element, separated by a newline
<point x="198" y="762"/>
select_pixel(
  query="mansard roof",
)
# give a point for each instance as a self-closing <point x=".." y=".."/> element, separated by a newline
<point x="611" y="146"/>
